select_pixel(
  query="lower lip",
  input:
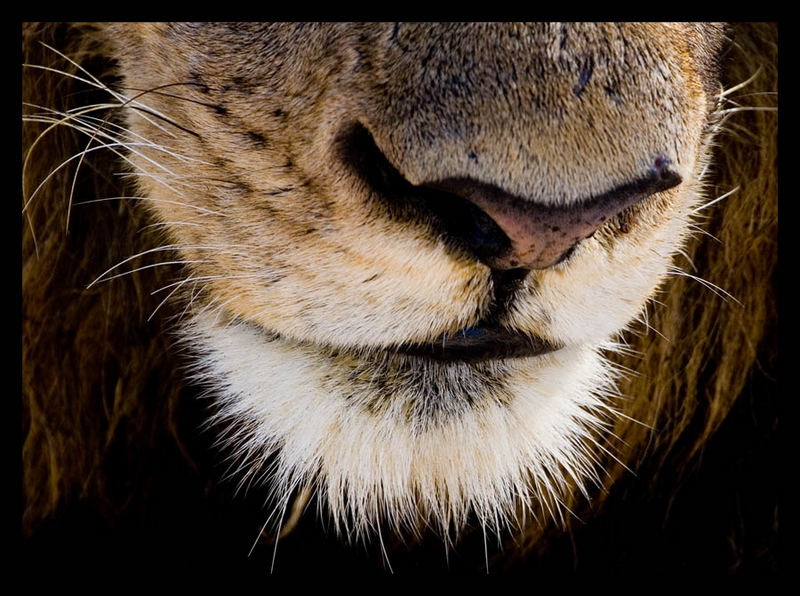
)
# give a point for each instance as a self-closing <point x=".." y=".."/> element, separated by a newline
<point x="478" y="344"/>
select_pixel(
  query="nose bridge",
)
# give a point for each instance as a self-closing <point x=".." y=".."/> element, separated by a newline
<point x="553" y="111"/>
<point x="460" y="79"/>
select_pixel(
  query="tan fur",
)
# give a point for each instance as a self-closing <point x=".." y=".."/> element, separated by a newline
<point x="277" y="233"/>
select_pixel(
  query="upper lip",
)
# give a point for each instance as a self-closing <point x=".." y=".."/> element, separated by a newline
<point x="479" y="343"/>
<point x="487" y="339"/>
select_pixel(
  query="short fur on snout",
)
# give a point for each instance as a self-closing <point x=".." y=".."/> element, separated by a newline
<point x="299" y="279"/>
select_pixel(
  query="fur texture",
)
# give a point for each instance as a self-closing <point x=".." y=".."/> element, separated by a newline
<point x="249" y="242"/>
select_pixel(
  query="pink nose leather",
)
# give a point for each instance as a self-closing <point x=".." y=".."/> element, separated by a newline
<point x="541" y="235"/>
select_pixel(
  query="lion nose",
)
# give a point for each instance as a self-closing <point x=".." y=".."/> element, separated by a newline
<point x="508" y="232"/>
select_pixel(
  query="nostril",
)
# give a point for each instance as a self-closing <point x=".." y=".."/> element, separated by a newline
<point x="470" y="225"/>
<point x="460" y="220"/>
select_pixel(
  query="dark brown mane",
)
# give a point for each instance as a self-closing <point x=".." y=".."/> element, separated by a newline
<point x="98" y="380"/>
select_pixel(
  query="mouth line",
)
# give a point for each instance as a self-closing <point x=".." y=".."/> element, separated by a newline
<point x="480" y="343"/>
<point x="485" y="342"/>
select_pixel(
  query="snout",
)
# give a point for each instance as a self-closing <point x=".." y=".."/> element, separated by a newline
<point x="520" y="160"/>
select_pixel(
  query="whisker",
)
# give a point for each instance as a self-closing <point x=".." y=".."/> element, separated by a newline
<point x="179" y="203"/>
<point x="725" y="196"/>
<point x="157" y="91"/>
<point x="116" y="143"/>
<point x="101" y="124"/>
<point x="59" y="167"/>
<point x="383" y="548"/>
<point x="200" y="278"/>
<point x="125" y="102"/>
<point x="75" y="179"/>
<point x="63" y="121"/>
<point x="736" y="130"/>
<point x="620" y="414"/>
<point x="33" y="234"/>
<point x="111" y="146"/>
<point x="741" y="85"/>
<point x="138" y="110"/>
<point x="170" y="247"/>
<point x="755" y="94"/>
<point x="95" y="82"/>
<point x="683" y="253"/>
<point x="198" y="289"/>
<point x="168" y="224"/>
<point x="748" y="109"/>
<point x="697" y="229"/>
<point x="150" y="266"/>
<point x="175" y="180"/>
<point x="252" y="548"/>
<point x="160" y="304"/>
<point x="714" y="288"/>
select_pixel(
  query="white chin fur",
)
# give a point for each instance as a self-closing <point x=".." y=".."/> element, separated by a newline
<point x="504" y="439"/>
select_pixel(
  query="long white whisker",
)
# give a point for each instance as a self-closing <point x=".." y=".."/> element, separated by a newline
<point x="93" y="125"/>
<point x="725" y="196"/>
<point x="128" y="146"/>
<point x="748" y="109"/>
<point x="714" y="288"/>
<point x="124" y="101"/>
<point x="97" y="83"/>
<point x="252" y="548"/>
<point x="169" y="247"/>
<point x="169" y="224"/>
<point x="201" y="209"/>
<point x="199" y="278"/>
<point x="160" y="304"/>
<point x="64" y="121"/>
<point x="143" y="174"/>
<point x="61" y="165"/>
<point x="735" y="88"/>
<point x="150" y="266"/>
